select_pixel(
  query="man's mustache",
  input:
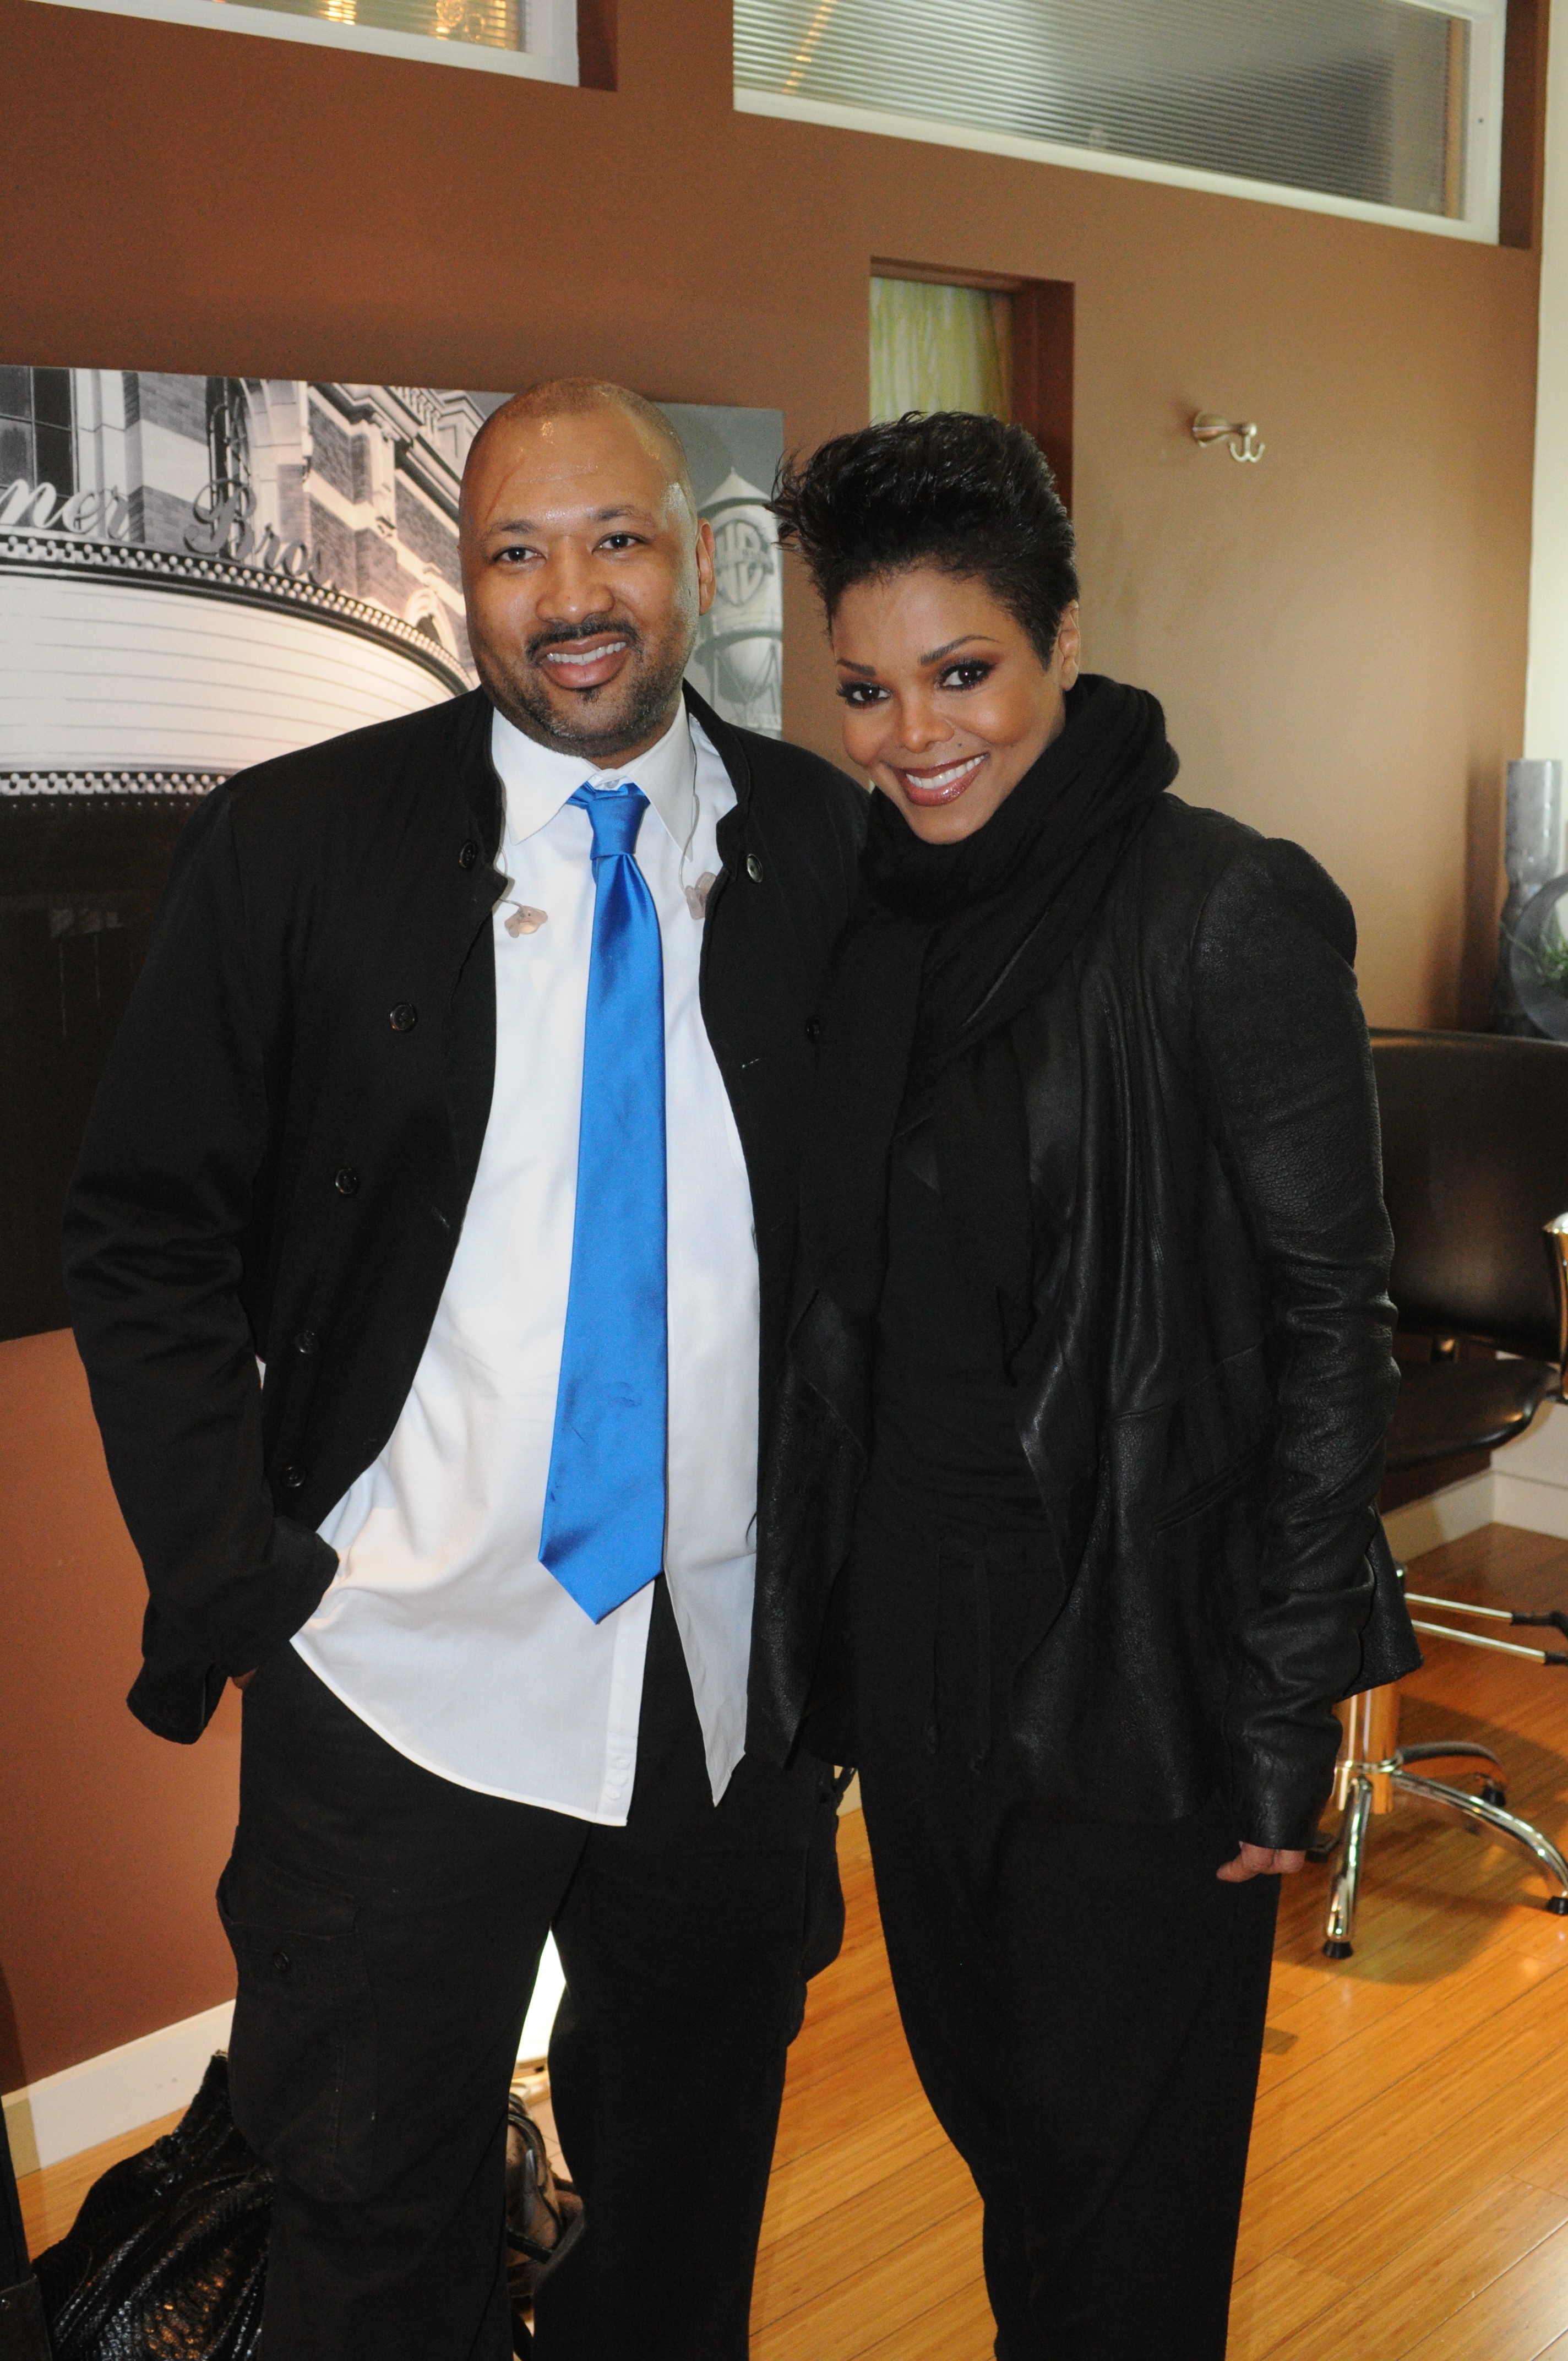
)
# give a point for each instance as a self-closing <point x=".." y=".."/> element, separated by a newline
<point x="566" y="636"/>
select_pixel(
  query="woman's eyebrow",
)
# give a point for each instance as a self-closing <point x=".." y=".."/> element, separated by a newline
<point x="935" y="655"/>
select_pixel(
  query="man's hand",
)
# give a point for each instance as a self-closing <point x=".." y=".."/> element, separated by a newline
<point x="1257" y="1861"/>
<point x="241" y="1680"/>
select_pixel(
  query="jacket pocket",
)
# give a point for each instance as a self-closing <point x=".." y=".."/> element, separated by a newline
<point x="1217" y="1488"/>
<point x="303" y="2051"/>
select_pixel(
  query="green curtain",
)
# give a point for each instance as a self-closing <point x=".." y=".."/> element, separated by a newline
<point x="939" y="348"/>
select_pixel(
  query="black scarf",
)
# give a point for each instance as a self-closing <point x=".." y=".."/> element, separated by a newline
<point x="946" y="945"/>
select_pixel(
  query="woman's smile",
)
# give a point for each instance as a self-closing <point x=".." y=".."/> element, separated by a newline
<point x="940" y="786"/>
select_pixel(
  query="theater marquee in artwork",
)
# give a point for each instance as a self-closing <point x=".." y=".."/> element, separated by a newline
<point x="197" y="573"/>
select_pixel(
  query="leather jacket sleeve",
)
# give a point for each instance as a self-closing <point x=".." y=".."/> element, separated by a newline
<point x="155" y="1228"/>
<point x="1283" y="1058"/>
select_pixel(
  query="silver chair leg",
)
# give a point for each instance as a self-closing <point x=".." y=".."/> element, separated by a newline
<point x="1491" y="1815"/>
<point x="1346" y="1885"/>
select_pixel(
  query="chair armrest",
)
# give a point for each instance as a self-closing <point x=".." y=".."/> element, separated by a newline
<point x="1555" y="1238"/>
<point x="1555" y="1234"/>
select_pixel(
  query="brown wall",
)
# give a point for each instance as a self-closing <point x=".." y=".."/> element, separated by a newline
<point x="111" y="1842"/>
<point x="1339" y="633"/>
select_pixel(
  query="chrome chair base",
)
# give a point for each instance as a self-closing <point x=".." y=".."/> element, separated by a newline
<point x="1486" y="1810"/>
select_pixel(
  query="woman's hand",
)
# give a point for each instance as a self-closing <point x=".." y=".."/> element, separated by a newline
<point x="1261" y="1860"/>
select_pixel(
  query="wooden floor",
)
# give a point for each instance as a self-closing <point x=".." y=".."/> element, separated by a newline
<point x="1409" y="2186"/>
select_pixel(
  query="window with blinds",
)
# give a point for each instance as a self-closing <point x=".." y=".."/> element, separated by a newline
<point x="1388" y="107"/>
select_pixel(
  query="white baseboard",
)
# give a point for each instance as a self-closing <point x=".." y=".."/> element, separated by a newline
<point x="1526" y="1486"/>
<point x="1535" y="1506"/>
<point x="1446" y="1516"/>
<point x="114" y="2092"/>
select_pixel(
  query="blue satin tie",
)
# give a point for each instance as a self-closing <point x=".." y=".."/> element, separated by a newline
<point x="604" y="1500"/>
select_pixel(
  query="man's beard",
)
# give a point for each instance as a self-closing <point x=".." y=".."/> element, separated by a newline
<point x="596" y="723"/>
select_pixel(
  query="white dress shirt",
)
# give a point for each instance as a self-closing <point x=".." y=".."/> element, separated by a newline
<point x="442" y="1629"/>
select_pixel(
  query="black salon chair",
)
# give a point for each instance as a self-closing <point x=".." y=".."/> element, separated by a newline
<point x="1476" y="1176"/>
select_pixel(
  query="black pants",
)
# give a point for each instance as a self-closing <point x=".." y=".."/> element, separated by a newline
<point x="388" y="1926"/>
<point x="1084" y="2002"/>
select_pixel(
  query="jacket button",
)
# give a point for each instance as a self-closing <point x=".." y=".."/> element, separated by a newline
<point x="293" y="1478"/>
<point x="405" y="1017"/>
<point x="753" y="869"/>
<point x="467" y="855"/>
<point x="814" y="1029"/>
<point x="346" y="1181"/>
<point x="281" y="1963"/>
<point x="307" y="1341"/>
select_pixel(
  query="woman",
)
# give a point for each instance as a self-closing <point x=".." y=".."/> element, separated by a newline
<point x="1071" y="1500"/>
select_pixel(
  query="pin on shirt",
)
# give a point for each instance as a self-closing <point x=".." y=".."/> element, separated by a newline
<point x="526" y="920"/>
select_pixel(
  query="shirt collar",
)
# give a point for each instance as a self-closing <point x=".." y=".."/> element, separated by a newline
<point x="537" y="781"/>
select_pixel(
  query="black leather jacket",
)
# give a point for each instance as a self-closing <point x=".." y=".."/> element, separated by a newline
<point x="1211" y="1380"/>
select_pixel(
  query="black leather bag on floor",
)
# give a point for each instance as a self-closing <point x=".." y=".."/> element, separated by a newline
<point x="166" y="2259"/>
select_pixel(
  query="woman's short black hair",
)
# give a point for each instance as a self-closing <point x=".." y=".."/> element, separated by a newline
<point x="968" y="494"/>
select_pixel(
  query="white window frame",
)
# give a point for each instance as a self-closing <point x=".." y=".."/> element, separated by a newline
<point x="552" y="35"/>
<point x="1484" y="142"/>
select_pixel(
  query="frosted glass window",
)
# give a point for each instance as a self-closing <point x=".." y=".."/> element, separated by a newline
<point x="1374" y="101"/>
<point x="536" y="38"/>
<point x="939" y="348"/>
<point x="493" y="24"/>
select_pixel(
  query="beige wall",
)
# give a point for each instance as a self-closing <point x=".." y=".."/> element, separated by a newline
<point x="1339" y="633"/>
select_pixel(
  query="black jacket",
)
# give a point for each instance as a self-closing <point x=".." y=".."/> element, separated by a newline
<point x="1206" y="1398"/>
<point x="281" y="1152"/>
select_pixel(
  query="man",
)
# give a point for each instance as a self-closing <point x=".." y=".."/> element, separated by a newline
<point x="461" y="1089"/>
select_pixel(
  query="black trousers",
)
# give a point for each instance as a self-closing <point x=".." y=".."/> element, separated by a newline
<point x="1084" y="2002"/>
<point x="388" y="1926"/>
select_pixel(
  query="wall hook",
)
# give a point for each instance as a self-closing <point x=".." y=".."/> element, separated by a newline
<point x="1240" y="434"/>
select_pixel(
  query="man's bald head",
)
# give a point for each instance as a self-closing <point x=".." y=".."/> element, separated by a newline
<point x="586" y="567"/>
<point x="568" y="397"/>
